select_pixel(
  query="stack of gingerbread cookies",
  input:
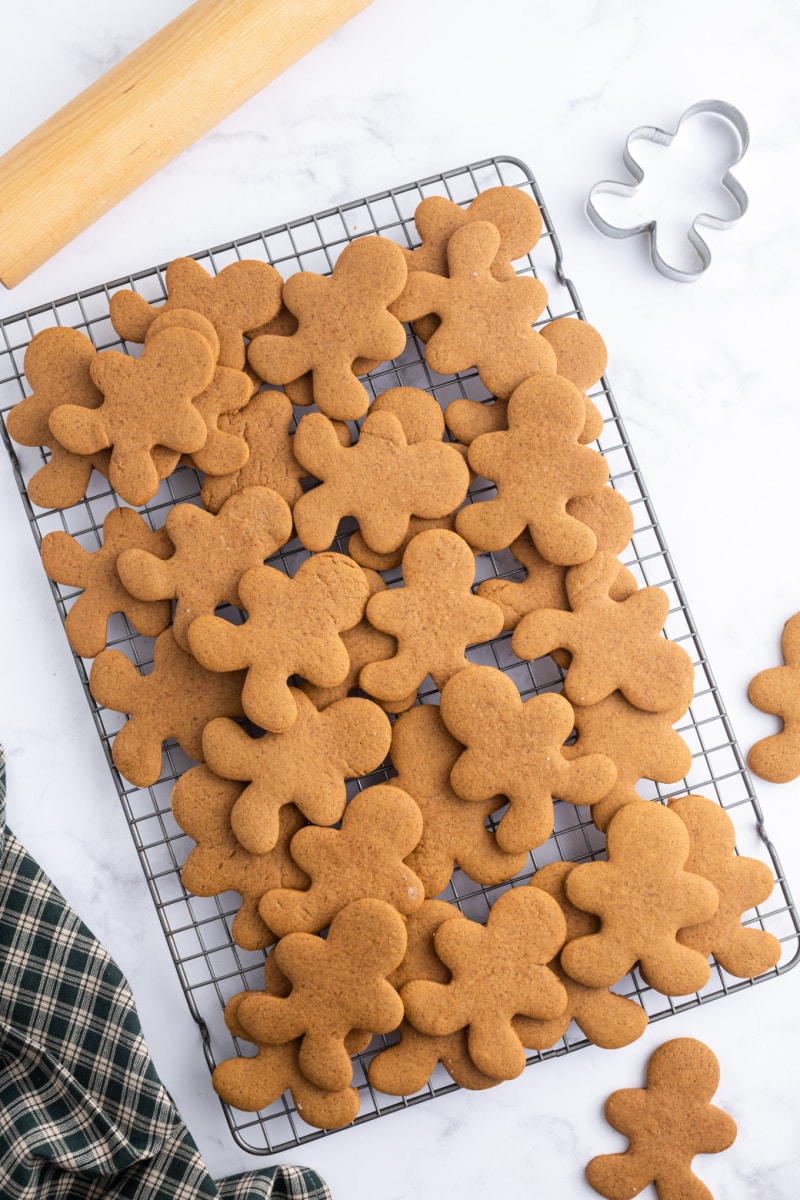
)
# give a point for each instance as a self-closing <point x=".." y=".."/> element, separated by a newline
<point x="287" y="668"/>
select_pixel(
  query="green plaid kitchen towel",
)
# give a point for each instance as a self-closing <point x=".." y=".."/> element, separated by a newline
<point x="83" y="1114"/>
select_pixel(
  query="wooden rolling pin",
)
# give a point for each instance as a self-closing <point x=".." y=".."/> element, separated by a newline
<point x="145" y="111"/>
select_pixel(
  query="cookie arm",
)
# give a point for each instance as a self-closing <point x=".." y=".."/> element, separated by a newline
<point x="433" y="1008"/>
<point x="81" y="430"/>
<point x="598" y="959"/>
<point x="145" y="576"/>
<point x="585" y="779"/>
<point x="539" y="632"/>
<point x="316" y="446"/>
<point x="394" y="678"/>
<point x="776" y="691"/>
<point x="404" y="1068"/>
<point x="131" y="315"/>
<point x="115" y="683"/>
<point x="316" y="517"/>
<point x="270" y="1019"/>
<point x="489" y="524"/>
<point x="422" y="294"/>
<point x="218" y="645"/>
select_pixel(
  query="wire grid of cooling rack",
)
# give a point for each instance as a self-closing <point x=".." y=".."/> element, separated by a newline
<point x="210" y="966"/>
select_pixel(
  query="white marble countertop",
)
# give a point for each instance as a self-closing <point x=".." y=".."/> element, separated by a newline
<point x="706" y="380"/>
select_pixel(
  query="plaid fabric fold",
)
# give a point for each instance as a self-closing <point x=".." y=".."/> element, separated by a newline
<point x="83" y="1114"/>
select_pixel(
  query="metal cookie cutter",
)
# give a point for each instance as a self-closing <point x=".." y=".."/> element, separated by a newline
<point x="652" y="133"/>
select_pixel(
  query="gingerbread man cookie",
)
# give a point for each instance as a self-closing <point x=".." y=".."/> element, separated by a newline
<point x="615" y="644"/>
<point x="382" y="481"/>
<point x="211" y="554"/>
<point x="485" y="322"/>
<point x="454" y="831"/>
<point x="306" y="765"/>
<point x="777" y="691"/>
<point x="364" y="644"/>
<point x="499" y="970"/>
<point x="341" y="317"/>
<point x="176" y="700"/>
<point x="580" y="357"/>
<point x="202" y="803"/>
<point x="254" y="1083"/>
<point x="643" y="896"/>
<point x="339" y="984"/>
<point x="148" y="403"/>
<point x="365" y="857"/>
<point x="102" y="591"/>
<point x="517" y="753"/>
<point x="742" y="883"/>
<point x="607" y="1019"/>
<point x="434" y="617"/>
<point x="545" y="583"/>
<point x="537" y="465"/>
<point x="243" y="295"/>
<point x="642" y="745"/>
<point x="514" y="214"/>
<point x="301" y="391"/>
<point x="667" y="1123"/>
<point x="228" y="392"/>
<point x="57" y="366"/>
<point x="293" y="625"/>
<point x="264" y="426"/>
<point x="406" y="1067"/>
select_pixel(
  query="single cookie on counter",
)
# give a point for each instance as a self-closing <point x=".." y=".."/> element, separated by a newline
<point x="777" y="691"/>
<point x="666" y="1123"/>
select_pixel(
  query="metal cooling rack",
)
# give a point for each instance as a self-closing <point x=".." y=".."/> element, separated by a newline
<point x="211" y="968"/>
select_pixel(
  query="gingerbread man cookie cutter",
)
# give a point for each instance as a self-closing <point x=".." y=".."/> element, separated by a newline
<point x="662" y="137"/>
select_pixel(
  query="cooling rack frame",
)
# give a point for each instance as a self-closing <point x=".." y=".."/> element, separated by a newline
<point x="209" y="965"/>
